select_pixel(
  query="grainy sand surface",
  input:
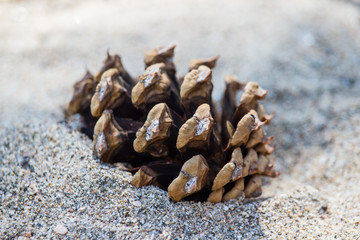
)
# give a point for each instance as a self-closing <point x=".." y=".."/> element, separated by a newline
<point x="306" y="53"/>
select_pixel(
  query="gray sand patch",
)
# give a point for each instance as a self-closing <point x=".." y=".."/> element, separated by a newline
<point x="306" y="53"/>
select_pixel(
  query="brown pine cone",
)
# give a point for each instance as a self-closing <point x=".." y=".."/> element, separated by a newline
<point x="168" y="132"/>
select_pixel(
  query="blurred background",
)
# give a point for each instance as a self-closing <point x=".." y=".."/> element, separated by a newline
<point x="306" y="53"/>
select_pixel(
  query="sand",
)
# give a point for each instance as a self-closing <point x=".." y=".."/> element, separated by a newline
<point x="306" y="53"/>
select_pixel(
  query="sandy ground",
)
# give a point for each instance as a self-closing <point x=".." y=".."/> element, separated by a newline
<point x="306" y="53"/>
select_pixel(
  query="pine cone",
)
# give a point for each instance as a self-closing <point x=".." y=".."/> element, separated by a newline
<point x="167" y="132"/>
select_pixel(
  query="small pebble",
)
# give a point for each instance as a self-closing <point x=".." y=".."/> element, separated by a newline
<point x="136" y="203"/>
<point x="82" y="209"/>
<point x="61" y="229"/>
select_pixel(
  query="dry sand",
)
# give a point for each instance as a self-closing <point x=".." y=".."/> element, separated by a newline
<point x="306" y="53"/>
